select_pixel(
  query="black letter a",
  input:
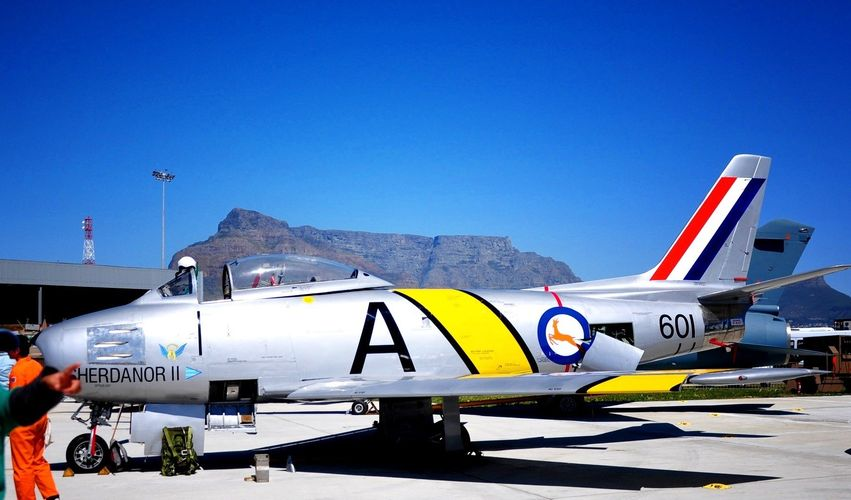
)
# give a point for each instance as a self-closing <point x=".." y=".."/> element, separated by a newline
<point x="365" y="348"/>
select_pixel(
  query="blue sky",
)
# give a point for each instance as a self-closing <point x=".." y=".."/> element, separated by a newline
<point x="584" y="131"/>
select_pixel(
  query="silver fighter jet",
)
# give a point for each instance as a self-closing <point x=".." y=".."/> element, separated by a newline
<point x="304" y="328"/>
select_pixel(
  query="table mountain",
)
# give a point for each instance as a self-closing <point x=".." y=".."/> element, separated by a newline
<point x="403" y="259"/>
<point x="814" y="303"/>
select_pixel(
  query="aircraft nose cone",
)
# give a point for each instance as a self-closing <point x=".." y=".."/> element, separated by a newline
<point x="54" y="344"/>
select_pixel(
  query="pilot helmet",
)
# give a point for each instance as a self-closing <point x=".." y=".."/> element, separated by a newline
<point x="186" y="262"/>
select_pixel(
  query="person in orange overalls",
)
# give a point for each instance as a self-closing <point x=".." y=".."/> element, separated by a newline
<point x="27" y="442"/>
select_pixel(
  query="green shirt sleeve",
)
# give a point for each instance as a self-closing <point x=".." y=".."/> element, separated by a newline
<point x="7" y="422"/>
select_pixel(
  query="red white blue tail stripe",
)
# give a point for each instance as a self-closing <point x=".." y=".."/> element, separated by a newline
<point x="704" y="236"/>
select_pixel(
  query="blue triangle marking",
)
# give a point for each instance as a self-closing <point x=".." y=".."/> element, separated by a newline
<point x="191" y="372"/>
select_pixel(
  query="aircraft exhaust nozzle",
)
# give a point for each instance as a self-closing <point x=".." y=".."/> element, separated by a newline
<point x="608" y="354"/>
<point x="771" y="309"/>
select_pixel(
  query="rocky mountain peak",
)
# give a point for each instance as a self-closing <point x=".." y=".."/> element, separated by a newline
<point x="240" y="219"/>
<point x="461" y="261"/>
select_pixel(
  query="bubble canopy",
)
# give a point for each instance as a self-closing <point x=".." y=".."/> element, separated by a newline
<point x="287" y="271"/>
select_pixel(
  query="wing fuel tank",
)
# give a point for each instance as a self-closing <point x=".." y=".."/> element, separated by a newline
<point x="751" y="376"/>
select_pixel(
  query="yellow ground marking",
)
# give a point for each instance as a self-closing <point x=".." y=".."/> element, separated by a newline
<point x="479" y="333"/>
<point x="308" y="299"/>
<point x="717" y="486"/>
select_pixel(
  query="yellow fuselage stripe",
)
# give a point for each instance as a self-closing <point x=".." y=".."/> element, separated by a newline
<point x="476" y="330"/>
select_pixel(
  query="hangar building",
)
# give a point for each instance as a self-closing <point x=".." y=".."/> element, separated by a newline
<point x="32" y="292"/>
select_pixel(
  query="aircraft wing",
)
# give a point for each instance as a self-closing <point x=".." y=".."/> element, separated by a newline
<point x="743" y="295"/>
<point x="539" y="384"/>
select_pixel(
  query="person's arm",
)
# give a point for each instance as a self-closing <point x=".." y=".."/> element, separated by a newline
<point x="28" y="403"/>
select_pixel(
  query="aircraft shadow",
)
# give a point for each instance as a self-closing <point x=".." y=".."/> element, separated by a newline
<point x="589" y="413"/>
<point x="360" y="453"/>
<point x="610" y="412"/>
<point x="542" y="473"/>
<point x="644" y="432"/>
<point x="738" y="408"/>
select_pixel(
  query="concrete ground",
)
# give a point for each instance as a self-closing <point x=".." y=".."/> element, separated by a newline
<point x="755" y="448"/>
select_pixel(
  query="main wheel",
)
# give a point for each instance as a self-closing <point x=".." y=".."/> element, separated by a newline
<point x="562" y="406"/>
<point x="79" y="457"/>
<point x="438" y="437"/>
<point x="360" y="407"/>
<point x="569" y="406"/>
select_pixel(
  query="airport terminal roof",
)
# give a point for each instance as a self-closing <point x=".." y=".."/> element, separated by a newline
<point x="27" y="272"/>
<point x="32" y="291"/>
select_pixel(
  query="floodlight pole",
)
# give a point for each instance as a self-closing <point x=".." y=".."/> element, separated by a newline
<point x="163" y="176"/>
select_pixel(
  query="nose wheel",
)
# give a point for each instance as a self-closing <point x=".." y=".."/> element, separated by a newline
<point x="80" y="457"/>
<point x="88" y="452"/>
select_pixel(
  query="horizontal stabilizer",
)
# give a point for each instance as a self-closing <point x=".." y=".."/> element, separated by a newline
<point x="780" y="350"/>
<point x="752" y="376"/>
<point x="817" y="332"/>
<point x="743" y="295"/>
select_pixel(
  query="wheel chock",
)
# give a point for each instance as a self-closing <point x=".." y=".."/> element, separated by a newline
<point x="104" y="472"/>
<point x="68" y="472"/>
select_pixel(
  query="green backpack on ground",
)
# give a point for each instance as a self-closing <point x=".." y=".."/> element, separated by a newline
<point x="178" y="453"/>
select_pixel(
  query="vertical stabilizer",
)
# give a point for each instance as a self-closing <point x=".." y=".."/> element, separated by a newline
<point x="777" y="249"/>
<point x="716" y="243"/>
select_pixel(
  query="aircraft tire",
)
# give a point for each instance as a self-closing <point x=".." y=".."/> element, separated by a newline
<point x="360" y="407"/>
<point x="117" y="456"/>
<point x="570" y="406"/>
<point x="81" y="461"/>
<point x="563" y="406"/>
<point x="438" y="437"/>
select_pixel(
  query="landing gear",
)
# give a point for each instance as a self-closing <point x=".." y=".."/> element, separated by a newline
<point x="89" y="452"/>
<point x="408" y="424"/>
<point x="438" y="438"/>
<point x="118" y="456"/>
<point x="81" y="458"/>
<point x="361" y="407"/>
<point x="563" y="406"/>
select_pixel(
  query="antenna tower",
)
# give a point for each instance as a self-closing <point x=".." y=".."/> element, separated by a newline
<point x="88" y="242"/>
